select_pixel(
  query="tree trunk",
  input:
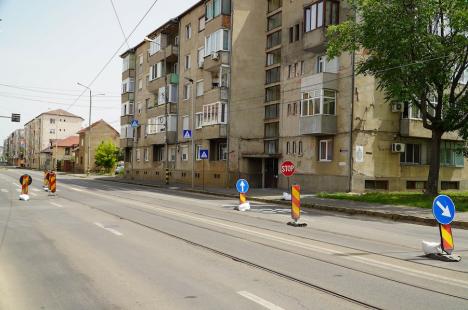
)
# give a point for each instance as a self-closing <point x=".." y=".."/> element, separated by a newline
<point x="432" y="187"/>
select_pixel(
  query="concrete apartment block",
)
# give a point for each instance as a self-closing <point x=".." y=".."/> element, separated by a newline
<point x="264" y="92"/>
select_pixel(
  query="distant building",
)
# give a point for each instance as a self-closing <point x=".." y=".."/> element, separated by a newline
<point x="100" y="132"/>
<point x="60" y="154"/>
<point x="14" y="148"/>
<point x="48" y="126"/>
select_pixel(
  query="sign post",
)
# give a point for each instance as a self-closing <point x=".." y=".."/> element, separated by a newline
<point x="288" y="169"/>
<point x="242" y="187"/>
<point x="203" y="154"/>
<point x="443" y="210"/>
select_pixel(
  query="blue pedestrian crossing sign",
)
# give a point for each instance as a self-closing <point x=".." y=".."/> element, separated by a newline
<point x="203" y="153"/>
<point x="187" y="134"/>
<point x="134" y="123"/>
<point x="443" y="209"/>
<point x="242" y="186"/>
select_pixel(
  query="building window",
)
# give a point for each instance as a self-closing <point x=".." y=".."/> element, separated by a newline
<point x="187" y="62"/>
<point x="187" y="91"/>
<point x="201" y="23"/>
<point x="155" y="45"/>
<point x="158" y="152"/>
<point x="222" y="151"/>
<point x="140" y="84"/>
<point x="214" y="8"/>
<point x="199" y="120"/>
<point x="273" y="93"/>
<point x="138" y="157"/>
<point x="172" y="153"/>
<point x="300" y="148"/>
<point x="215" y="113"/>
<point x="274" y="39"/>
<point x="294" y="34"/>
<point x="412" y="154"/>
<point x="156" y="71"/>
<point x="200" y="89"/>
<point x="420" y="185"/>
<point x="185" y="123"/>
<point x="273" y="57"/>
<point x="322" y="101"/>
<point x="52" y="131"/>
<point x="184" y="152"/>
<point x="188" y="31"/>
<point x="451" y="154"/>
<point x="274" y="5"/>
<point x="217" y="41"/>
<point x="272" y="130"/>
<point x="271" y="147"/>
<point x="449" y="185"/>
<point x="201" y="56"/>
<point x="128" y="85"/>
<point x="156" y="125"/>
<point x="145" y="154"/>
<point x="324" y="65"/>
<point x="288" y="147"/>
<point x="294" y="147"/>
<point x="376" y="184"/>
<point x="198" y="147"/>
<point x="317" y="15"/>
<point x="52" y="120"/>
<point x="271" y="111"/>
<point x="326" y="150"/>
<point x="273" y="75"/>
<point x="274" y="21"/>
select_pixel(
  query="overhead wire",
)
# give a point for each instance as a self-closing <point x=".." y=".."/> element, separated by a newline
<point x="120" y="23"/>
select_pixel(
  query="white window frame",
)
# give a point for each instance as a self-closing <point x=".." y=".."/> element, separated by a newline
<point x="172" y="156"/>
<point x="156" y="71"/>
<point x="187" y="91"/>
<point x="201" y="23"/>
<point x="199" y="120"/>
<point x="201" y="56"/>
<point x="197" y="151"/>
<point x="184" y="153"/>
<point x="199" y="88"/>
<point x="215" y="41"/>
<point x="138" y="154"/>
<point x="328" y="143"/>
<point x="188" y="31"/>
<point x="213" y="113"/>
<point x="185" y="122"/>
<point x="145" y="155"/>
<point x="128" y="85"/>
<point x="155" y="45"/>
<point x="308" y="98"/>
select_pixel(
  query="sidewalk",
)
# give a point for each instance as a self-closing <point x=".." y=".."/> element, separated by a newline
<point x="391" y="212"/>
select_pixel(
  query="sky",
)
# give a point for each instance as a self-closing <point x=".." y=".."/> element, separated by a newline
<point x="48" y="46"/>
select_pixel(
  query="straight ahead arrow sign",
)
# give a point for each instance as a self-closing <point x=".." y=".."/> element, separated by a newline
<point x="445" y="210"/>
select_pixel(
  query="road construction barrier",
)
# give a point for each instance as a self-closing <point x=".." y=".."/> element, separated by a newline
<point x="52" y="182"/>
<point x="446" y="238"/>
<point x="296" y="206"/>
<point x="46" y="180"/>
<point x="25" y="181"/>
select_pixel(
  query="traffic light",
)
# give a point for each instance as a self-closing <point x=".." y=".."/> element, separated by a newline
<point x="16" y="118"/>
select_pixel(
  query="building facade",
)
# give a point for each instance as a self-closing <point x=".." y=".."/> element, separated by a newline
<point x="48" y="126"/>
<point x="249" y="82"/>
<point x="15" y="148"/>
<point x="60" y="154"/>
<point x="100" y="132"/>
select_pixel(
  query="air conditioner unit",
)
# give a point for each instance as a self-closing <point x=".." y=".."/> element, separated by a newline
<point x="398" y="107"/>
<point x="215" y="56"/>
<point x="398" y="148"/>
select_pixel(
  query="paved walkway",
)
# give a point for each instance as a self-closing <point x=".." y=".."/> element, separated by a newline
<point x="392" y="212"/>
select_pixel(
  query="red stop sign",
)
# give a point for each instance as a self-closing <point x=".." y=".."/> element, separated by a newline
<point x="288" y="169"/>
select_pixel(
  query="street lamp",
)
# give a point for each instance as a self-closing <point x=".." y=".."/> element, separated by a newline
<point x="193" y="129"/>
<point x="89" y="124"/>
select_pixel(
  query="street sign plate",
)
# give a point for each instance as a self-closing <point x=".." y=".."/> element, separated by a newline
<point x="16" y="118"/>
<point x="242" y="186"/>
<point x="187" y="134"/>
<point x="134" y="123"/>
<point x="288" y="168"/>
<point x="443" y="209"/>
<point x="203" y="153"/>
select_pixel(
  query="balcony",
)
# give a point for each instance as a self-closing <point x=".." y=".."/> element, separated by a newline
<point x="170" y="53"/>
<point x="415" y="128"/>
<point x="320" y="124"/>
<point x="160" y="138"/>
<point x="155" y="85"/>
<point x="324" y="80"/>
<point x="315" y="40"/>
<point x="126" y="119"/>
<point x="128" y="96"/>
<point x="216" y="94"/>
<point x="126" y="142"/>
<point x="212" y="132"/>
<point x="220" y="21"/>
<point x="214" y="61"/>
<point x="130" y="73"/>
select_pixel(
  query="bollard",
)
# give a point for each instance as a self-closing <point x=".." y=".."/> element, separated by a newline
<point x="446" y="238"/>
<point x="25" y="181"/>
<point x="244" y="205"/>
<point x="242" y="198"/>
<point x="46" y="181"/>
<point x="167" y="176"/>
<point x="52" y="183"/>
<point x="296" y="206"/>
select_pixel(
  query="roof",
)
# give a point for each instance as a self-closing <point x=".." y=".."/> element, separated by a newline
<point x="101" y="121"/>
<point x="67" y="142"/>
<point x="58" y="112"/>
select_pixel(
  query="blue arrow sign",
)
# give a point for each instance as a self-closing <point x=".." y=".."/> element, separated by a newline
<point x="242" y="186"/>
<point x="187" y="134"/>
<point x="134" y="123"/>
<point x="443" y="209"/>
<point x="203" y="154"/>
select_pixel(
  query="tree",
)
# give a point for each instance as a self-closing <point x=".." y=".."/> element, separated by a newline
<point x="418" y="52"/>
<point x="106" y="155"/>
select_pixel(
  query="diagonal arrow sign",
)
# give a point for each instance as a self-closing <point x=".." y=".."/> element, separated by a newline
<point x="445" y="210"/>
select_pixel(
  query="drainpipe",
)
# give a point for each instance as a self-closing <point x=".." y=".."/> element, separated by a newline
<point x="228" y="125"/>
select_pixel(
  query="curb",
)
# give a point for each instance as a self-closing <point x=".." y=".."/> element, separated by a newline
<point x="396" y="217"/>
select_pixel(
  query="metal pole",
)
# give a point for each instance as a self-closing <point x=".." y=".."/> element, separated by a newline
<point x="89" y="134"/>
<point x="193" y="134"/>
<point x="166" y="98"/>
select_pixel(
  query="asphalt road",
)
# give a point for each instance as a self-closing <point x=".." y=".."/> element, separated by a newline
<point x="105" y="245"/>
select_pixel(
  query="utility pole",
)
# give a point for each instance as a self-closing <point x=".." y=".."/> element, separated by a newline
<point x="191" y="81"/>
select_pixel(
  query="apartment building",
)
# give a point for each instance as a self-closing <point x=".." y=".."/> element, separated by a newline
<point x="60" y="154"/>
<point x="255" y="88"/>
<point x="100" y="132"/>
<point x="15" y="148"/>
<point x="48" y="126"/>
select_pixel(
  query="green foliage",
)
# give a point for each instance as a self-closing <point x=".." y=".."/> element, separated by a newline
<point x="106" y="155"/>
<point x="416" y="49"/>
<point x="406" y="199"/>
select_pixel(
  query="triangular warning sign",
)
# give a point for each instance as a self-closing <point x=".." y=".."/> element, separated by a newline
<point x="187" y="134"/>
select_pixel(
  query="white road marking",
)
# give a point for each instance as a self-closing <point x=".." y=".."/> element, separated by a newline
<point x="4" y="190"/>
<point x="35" y="190"/>
<point x="15" y="184"/>
<point x="56" y="205"/>
<point x="76" y="189"/>
<point x="115" y="232"/>
<point x="260" y="301"/>
<point x="33" y="194"/>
